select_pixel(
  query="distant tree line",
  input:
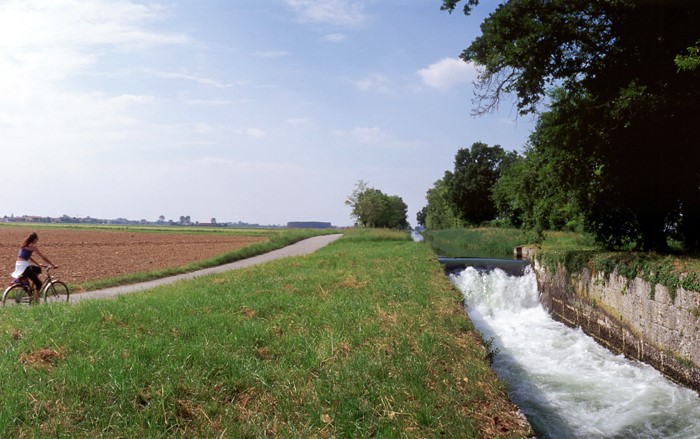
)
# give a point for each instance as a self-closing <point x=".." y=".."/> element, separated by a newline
<point x="184" y="221"/>
<point x="616" y="150"/>
<point x="309" y="225"/>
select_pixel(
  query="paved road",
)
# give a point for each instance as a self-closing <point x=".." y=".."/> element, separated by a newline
<point x="300" y="248"/>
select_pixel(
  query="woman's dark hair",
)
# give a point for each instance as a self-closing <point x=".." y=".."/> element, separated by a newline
<point x="31" y="238"/>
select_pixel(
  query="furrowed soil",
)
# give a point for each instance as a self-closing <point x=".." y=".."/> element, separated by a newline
<point x="88" y="255"/>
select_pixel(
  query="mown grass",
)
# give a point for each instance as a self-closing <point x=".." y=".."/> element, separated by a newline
<point x="364" y="338"/>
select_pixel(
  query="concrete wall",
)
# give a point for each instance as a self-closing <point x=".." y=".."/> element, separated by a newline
<point x="622" y="316"/>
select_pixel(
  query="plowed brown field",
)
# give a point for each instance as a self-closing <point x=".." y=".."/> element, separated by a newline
<point x="87" y="255"/>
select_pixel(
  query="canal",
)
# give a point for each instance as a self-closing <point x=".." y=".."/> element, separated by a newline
<point x="566" y="384"/>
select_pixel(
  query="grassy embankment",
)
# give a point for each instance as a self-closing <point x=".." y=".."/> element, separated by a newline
<point x="573" y="251"/>
<point x="488" y="242"/>
<point x="365" y="337"/>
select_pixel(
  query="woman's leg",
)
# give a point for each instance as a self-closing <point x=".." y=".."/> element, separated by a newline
<point x="32" y="272"/>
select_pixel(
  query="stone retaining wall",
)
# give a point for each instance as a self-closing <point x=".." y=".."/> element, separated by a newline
<point x="622" y="316"/>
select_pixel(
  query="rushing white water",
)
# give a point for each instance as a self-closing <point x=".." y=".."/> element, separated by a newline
<point x="567" y="385"/>
<point x="416" y="236"/>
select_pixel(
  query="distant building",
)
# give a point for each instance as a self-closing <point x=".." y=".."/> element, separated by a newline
<point x="308" y="225"/>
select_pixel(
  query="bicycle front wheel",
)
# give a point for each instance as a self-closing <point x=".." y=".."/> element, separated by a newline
<point x="16" y="294"/>
<point x="56" y="292"/>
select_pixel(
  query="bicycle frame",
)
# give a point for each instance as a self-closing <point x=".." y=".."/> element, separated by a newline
<point x="48" y="277"/>
<point x="51" y="287"/>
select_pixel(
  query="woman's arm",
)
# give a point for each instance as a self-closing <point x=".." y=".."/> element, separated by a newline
<point x="36" y="250"/>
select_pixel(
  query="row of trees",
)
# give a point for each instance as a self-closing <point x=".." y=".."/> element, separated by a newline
<point x="464" y="195"/>
<point x="616" y="150"/>
<point x="489" y="184"/>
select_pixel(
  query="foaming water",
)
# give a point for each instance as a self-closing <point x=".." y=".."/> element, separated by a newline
<point x="567" y="385"/>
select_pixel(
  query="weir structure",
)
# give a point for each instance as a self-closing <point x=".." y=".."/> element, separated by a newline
<point x="661" y="329"/>
<point x="514" y="267"/>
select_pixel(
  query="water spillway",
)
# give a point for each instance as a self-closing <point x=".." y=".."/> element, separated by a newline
<point x="567" y="385"/>
<point x="510" y="266"/>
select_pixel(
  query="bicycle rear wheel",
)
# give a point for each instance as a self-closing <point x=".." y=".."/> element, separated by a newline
<point x="16" y="294"/>
<point x="56" y="292"/>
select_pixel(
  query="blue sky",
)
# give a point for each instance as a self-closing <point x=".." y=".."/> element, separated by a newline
<point x="240" y="110"/>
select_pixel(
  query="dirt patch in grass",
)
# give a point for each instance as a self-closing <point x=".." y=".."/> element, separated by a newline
<point x="89" y="255"/>
<point x="43" y="358"/>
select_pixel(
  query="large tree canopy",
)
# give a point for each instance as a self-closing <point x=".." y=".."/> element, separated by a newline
<point x="543" y="190"/>
<point x="622" y="105"/>
<point x="469" y="186"/>
<point x="373" y="208"/>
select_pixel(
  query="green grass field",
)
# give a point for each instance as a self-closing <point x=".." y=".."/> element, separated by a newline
<point x="495" y="242"/>
<point x="364" y="338"/>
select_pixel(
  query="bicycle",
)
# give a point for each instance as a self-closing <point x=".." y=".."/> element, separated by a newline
<point x="21" y="290"/>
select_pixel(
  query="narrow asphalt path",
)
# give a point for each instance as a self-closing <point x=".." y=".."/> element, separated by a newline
<point x="300" y="248"/>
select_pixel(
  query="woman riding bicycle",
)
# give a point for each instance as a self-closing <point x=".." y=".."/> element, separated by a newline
<point x="23" y="268"/>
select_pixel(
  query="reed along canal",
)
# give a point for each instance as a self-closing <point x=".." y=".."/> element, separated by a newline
<point x="566" y="384"/>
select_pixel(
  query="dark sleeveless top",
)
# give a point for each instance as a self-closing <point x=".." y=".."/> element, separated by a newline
<point x="24" y="253"/>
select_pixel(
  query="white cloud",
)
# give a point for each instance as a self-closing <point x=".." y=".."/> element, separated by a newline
<point x="335" y="38"/>
<point x="332" y="12"/>
<point x="255" y="133"/>
<point x="42" y="42"/>
<point x="190" y="77"/>
<point x="448" y="73"/>
<point x="272" y="54"/>
<point x="294" y="121"/>
<point x="5" y="120"/>
<point x="204" y="128"/>
<point x="80" y="23"/>
<point x="209" y="102"/>
<point x="375" y="136"/>
<point x="46" y="44"/>
<point x="376" y="82"/>
<point x="260" y="168"/>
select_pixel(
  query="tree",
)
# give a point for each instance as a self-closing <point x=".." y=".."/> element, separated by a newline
<point x="540" y="191"/>
<point x="691" y="61"/>
<point x="421" y="215"/>
<point x="397" y="213"/>
<point x="626" y="107"/>
<point x="438" y="213"/>
<point x="469" y="186"/>
<point x="372" y="208"/>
